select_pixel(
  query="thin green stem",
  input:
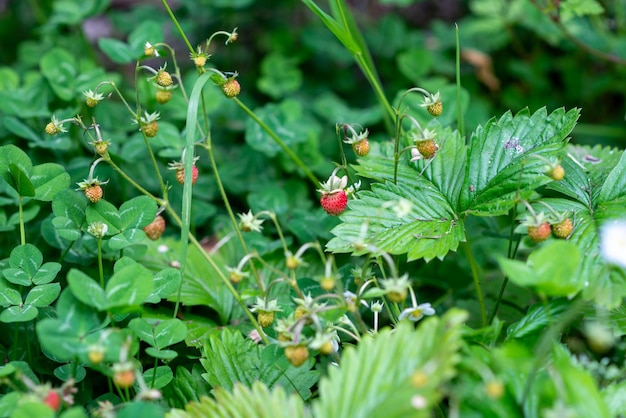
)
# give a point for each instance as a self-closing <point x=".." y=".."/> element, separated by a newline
<point x="229" y="210"/>
<point x="156" y="363"/>
<point x="279" y="141"/>
<point x="476" y="275"/>
<point x="100" y="268"/>
<point x="180" y="29"/>
<point x="459" y="109"/>
<point x="20" y="206"/>
<point x="373" y="80"/>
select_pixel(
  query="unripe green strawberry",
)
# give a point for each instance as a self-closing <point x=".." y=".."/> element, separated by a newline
<point x="93" y="193"/>
<point x="52" y="129"/>
<point x="150" y="129"/>
<point x="101" y="147"/>
<point x="300" y="312"/>
<point x="164" y="79"/>
<point x="199" y="60"/>
<point x="297" y="354"/>
<point x="163" y="96"/>
<point x="334" y="203"/>
<point x="427" y="148"/>
<point x="155" y="229"/>
<point x="327" y="348"/>
<point x="495" y="389"/>
<point x="361" y="148"/>
<point x="397" y="296"/>
<point x="265" y="318"/>
<point x="539" y="233"/>
<point x="563" y="229"/>
<point x="557" y="173"/>
<point x="53" y="400"/>
<point x="231" y="88"/>
<point x="180" y="175"/>
<point x="327" y="283"/>
<point x="91" y="102"/>
<point x="435" y="109"/>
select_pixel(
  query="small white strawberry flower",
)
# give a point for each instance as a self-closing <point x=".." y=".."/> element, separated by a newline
<point x="149" y="50"/>
<point x="351" y="298"/>
<point x="613" y="242"/>
<point x="249" y="222"/>
<point x="416" y="313"/>
<point x="415" y="155"/>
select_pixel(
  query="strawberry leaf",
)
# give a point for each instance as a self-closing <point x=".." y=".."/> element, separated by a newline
<point x="593" y="204"/>
<point x="505" y="158"/>
<point x="430" y="229"/>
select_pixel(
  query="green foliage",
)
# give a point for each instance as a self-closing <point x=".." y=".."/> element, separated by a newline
<point x="255" y="401"/>
<point x="252" y="301"/>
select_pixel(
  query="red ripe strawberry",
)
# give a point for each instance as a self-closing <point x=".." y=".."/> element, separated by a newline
<point x="155" y="229"/>
<point x="93" y="193"/>
<point x="150" y="129"/>
<point x="53" y="400"/>
<point x="540" y="233"/>
<point x="563" y="229"/>
<point x="297" y="354"/>
<point x="334" y="203"/>
<point x="231" y="88"/>
<point x="180" y="175"/>
<point x="427" y="148"/>
<point x="361" y="148"/>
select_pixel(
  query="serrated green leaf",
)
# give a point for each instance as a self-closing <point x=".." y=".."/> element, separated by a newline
<point x="428" y="231"/>
<point x="586" y="170"/>
<point x="578" y="388"/>
<point x="374" y="378"/>
<point x="504" y="158"/>
<point x="570" y="9"/>
<point x="615" y="184"/>
<point x="539" y="316"/>
<point x="186" y="387"/>
<point x="256" y="401"/>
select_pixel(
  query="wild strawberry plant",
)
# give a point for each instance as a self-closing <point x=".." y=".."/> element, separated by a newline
<point x="478" y="274"/>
